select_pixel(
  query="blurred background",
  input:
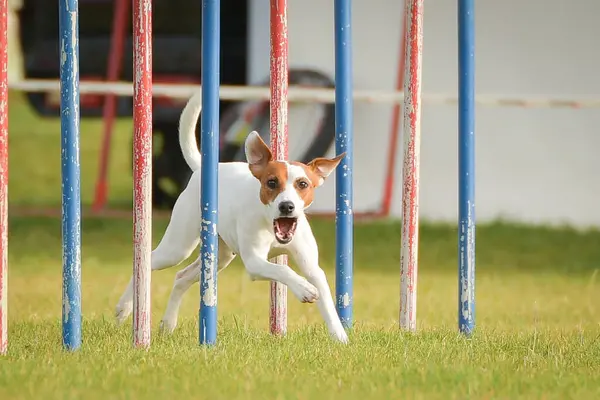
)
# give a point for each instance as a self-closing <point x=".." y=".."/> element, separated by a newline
<point x="535" y="164"/>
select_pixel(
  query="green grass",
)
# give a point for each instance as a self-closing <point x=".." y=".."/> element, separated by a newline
<point x="34" y="146"/>
<point x="538" y="309"/>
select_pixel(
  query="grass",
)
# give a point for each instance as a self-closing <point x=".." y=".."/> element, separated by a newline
<point x="537" y="309"/>
<point x="34" y="144"/>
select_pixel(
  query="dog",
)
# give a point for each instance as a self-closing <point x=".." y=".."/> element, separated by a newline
<point x="260" y="216"/>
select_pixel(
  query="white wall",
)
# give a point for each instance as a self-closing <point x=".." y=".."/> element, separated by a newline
<point x="533" y="165"/>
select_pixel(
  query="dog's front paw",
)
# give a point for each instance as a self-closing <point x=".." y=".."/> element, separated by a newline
<point x="122" y="311"/>
<point x="167" y="326"/>
<point x="305" y="292"/>
<point x="340" y="335"/>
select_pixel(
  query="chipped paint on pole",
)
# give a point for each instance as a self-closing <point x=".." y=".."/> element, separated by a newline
<point x="466" y="166"/>
<point x="70" y="171"/>
<point x="3" y="177"/>
<point x="209" y="191"/>
<point x="142" y="170"/>
<point x="279" y="139"/>
<point x="344" y="217"/>
<point x="411" y="167"/>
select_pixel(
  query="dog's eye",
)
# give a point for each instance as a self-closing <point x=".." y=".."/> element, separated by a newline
<point x="272" y="183"/>
<point x="302" y="185"/>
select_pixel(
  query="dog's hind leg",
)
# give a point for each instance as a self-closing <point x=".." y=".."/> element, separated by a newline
<point x="179" y="241"/>
<point x="184" y="280"/>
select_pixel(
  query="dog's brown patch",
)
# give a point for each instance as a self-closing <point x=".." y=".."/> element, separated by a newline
<point x="306" y="191"/>
<point x="272" y="175"/>
<point x="316" y="171"/>
<point x="305" y="187"/>
<point x="273" y="179"/>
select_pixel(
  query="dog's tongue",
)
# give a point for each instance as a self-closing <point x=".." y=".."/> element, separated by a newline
<point x="284" y="225"/>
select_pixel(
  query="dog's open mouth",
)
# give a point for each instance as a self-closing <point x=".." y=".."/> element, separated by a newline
<point x="284" y="229"/>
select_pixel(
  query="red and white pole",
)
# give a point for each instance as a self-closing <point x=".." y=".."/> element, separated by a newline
<point x="142" y="170"/>
<point x="412" y="145"/>
<point x="279" y="137"/>
<point x="3" y="176"/>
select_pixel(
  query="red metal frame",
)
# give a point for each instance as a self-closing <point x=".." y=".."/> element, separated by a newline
<point x="279" y="138"/>
<point x="165" y="101"/>
<point x="115" y="64"/>
<point x="388" y="189"/>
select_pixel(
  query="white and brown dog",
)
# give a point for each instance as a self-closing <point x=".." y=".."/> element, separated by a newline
<point x="261" y="215"/>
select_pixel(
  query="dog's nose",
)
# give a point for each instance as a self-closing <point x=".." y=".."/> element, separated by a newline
<point x="286" y="207"/>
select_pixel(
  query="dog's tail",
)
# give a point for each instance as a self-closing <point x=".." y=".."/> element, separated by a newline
<point x="187" y="131"/>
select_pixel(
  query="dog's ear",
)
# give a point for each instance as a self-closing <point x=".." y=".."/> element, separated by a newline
<point x="258" y="154"/>
<point x="323" y="167"/>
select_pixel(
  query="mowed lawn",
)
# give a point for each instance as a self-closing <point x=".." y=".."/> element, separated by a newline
<point x="538" y="308"/>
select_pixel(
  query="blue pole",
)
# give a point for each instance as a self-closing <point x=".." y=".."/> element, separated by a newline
<point x="210" y="157"/>
<point x="71" y="200"/>
<point x="343" y="143"/>
<point x="466" y="166"/>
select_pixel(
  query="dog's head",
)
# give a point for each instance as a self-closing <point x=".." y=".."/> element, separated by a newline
<point x="286" y="188"/>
